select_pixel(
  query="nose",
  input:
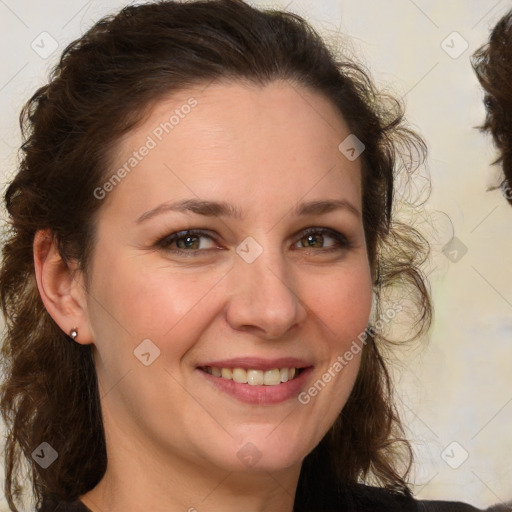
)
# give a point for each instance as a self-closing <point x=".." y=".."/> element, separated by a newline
<point x="263" y="296"/>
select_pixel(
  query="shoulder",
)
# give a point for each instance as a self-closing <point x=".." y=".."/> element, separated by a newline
<point x="374" y="498"/>
<point x="361" y="498"/>
<point x="54" y="505"/>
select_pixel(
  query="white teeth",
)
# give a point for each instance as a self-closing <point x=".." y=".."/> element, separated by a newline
<point x="272" y="377"/>
<point x="226" y="373"/>
<point x="253" y="377"/>
<point x="239" y="375"/>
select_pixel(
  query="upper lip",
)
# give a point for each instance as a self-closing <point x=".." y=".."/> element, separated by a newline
<point x="258" y="363"/>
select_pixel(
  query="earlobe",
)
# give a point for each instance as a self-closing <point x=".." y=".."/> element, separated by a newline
<point x="61" y="288"/>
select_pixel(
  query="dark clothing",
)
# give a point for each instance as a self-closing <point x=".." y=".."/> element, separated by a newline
<point x="362" y="499"/>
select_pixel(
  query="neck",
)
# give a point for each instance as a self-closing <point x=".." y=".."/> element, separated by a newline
<point x="140" y="478"/>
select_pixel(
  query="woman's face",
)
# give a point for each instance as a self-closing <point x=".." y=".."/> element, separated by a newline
<point x="280" y="284"/>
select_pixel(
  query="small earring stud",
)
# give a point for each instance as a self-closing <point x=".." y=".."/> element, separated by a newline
<point x="74" y="333"/>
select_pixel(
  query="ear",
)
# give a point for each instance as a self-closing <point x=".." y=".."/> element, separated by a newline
<point x="61" y="287"/>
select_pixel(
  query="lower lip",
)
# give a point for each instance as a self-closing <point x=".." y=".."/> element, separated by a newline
<point x="262" y="395"/>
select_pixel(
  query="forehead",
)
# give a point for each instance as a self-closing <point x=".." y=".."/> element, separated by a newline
<point x="246" y="142"/>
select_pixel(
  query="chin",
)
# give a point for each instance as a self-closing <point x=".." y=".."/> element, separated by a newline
<point x="262" y="453"/>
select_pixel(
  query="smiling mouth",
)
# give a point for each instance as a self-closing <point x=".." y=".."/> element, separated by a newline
<point x="254" y="377"/>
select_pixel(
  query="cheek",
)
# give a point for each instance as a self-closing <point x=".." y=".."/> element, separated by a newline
<point x="342" y="301"/>
<point x="164" y="304"/>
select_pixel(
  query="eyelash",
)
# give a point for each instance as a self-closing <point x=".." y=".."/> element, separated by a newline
<point x="343" y="242"/>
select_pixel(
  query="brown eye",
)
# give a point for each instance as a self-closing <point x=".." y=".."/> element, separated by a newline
<point x="315" y="238"/>
<point x="314" y="241"/>
<point x="186" y="242"/>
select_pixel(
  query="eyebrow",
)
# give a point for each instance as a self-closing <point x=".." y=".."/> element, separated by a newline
<point x="224" y="209"/>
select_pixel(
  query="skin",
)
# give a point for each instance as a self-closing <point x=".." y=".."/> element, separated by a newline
<point x="172" y="438"/>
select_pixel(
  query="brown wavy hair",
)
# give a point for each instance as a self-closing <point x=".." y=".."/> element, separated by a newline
<point x="103" y="86"/>
<point x="492" y="63"/>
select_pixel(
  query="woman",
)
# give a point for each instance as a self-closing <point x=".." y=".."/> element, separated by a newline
<point x="201" y="219"/>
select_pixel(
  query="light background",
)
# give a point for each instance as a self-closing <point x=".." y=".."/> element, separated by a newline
<point x="457" y="387"/>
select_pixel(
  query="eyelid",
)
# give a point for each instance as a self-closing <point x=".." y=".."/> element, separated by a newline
<point x="167" y="240"/>
<point x="344" y="242"/>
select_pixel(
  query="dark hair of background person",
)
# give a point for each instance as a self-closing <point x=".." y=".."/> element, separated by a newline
<point x="493" y="66"/>
<point x="103" y="86"/>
